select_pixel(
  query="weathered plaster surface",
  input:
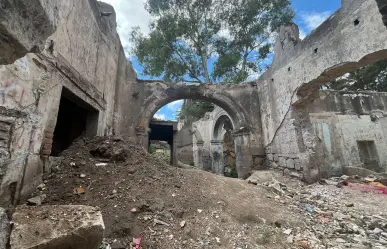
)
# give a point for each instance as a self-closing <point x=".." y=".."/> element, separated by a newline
<point x="84" y="55"/>
<point x="300" y="67"/>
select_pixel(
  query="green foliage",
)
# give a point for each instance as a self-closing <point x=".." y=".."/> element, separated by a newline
<point x="192" y="111"/>
<point x="372" y="77"/>
<point x="152" y="149"/>
<point x="186" y="34"/>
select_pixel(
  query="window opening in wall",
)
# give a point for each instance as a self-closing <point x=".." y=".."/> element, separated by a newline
<point x="368" y="155"/>
<point x="75" y="118"/>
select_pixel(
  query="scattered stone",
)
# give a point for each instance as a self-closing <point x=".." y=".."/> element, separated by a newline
<point x="133" y="210"/>
<point x="36" y="201"/>
<point x="290" y="239"/>
<point x="72" y="164"/>
<point x="200" y="210"/>
<point x="160" y="222"/>
<point x="79" y="191"/>
<point x="377" y="231"/>
<point x="114" y="191"/>
<point x="288" y="231"/>
<point x="303" y="244"/>
<point x="340" y="240"/>
<point x="277" y="187"/>
<point x="42" y="187"/>
<point x="217" y="240"/>
<point x="182" y="224"/>
<point x="350" y="205"/>
<point x="101" y="164"/>
<point x="82" y="175"/>
<point x="43" y="227"/>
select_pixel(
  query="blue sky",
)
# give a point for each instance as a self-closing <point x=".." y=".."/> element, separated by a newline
<point x="309" y="15"/>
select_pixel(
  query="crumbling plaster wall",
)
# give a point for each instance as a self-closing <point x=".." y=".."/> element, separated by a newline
<point x="184" y="138"/>
<point x="337" y="46"/>
<point x="84" y="55"/>
<point x="340" y="119"/>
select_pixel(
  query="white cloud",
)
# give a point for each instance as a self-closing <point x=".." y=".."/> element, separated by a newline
<point x="130" y="13"/>
<point x="159" y="116"/>
<point x="175" y="105"/>
<point x="302" y="34"/>
<point x="313" y="19"/>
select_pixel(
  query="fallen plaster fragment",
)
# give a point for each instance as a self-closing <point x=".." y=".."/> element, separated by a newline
<point x="57" y="227"/>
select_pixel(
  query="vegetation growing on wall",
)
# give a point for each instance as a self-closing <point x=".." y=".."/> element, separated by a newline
<point x="208" y="41"/>
<point x="192" y="111"/>
<point x="372" y="77"/>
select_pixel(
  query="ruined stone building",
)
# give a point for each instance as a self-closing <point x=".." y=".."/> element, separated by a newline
<point x="64" y="74"/>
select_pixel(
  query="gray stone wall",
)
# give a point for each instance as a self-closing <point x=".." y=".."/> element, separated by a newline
<point x="82" y="53"/>
<point x="337" y="46"/>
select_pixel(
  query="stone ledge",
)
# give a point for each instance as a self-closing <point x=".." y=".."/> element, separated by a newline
<point x="55" y="227"/>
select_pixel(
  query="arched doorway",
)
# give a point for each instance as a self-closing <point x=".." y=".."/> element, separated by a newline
<point x="223" y="146"/>
<point x="160" y="94"/>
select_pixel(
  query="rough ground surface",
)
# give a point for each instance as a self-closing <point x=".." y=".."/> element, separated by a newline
<point x="45" y="227"/>
<point x="168" y="207"/>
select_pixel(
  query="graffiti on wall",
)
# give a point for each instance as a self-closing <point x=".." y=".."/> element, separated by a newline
<point x="11" y="91"/>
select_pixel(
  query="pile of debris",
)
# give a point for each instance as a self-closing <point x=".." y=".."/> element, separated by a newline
<point x="341" y="212"/>
<point x="147" y="203"/>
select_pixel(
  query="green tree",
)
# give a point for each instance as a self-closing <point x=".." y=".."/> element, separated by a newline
<point x="192" y="111"/>
<point x="208" y="41"/>
<point x="372" y="77"/>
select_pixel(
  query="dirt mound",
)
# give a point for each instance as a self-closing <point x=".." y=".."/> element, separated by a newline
<point x="166" y="206"/>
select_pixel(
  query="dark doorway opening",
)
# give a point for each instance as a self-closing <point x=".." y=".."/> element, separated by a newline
<point x="164" y="131"/>
<point x="369" y="155"/>
<point x="75" y="118"/>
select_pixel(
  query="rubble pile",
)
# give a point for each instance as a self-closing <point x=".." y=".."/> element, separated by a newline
<point x="148" y="204"/>
<point x="341" y="212"/>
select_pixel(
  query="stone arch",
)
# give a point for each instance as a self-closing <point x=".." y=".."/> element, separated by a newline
<point x="158" y="94"/>
<point x="221" y="119"/>
<point x="197" y="136"/>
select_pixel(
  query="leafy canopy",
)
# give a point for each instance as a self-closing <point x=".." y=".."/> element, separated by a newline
<point x="208" y="41"/>
<point x="372" y="77"/>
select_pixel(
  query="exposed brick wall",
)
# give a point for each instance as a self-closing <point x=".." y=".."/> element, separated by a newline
<point x="47" y="142"/>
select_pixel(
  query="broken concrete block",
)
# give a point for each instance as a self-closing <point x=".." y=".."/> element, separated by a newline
<point x="290" y="163"/>
<point x="4" y="229"/>
<point x="57" y="227"/>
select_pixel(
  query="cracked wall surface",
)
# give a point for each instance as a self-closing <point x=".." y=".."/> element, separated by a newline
<point x="337" y="46"/>
<point x="81" y="52"/>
